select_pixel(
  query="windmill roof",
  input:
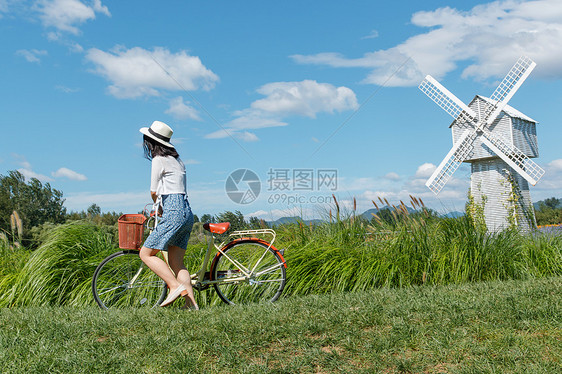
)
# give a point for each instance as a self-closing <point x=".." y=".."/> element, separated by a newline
<point x="509" y="110"/>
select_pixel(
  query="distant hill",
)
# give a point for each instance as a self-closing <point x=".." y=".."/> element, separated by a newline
<point x="454" y="214"/>
<point x="367" y="215"/>
<point x="285" y="220"/>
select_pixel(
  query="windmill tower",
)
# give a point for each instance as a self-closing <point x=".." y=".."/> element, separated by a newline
<point x="499" y="142"/>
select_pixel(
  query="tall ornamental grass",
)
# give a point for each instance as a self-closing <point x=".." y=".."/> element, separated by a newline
<point x="399" y="247"/>
<point x="12" y="260"/>
<point x="59" y="272"/>
<point x="350" y="254"/>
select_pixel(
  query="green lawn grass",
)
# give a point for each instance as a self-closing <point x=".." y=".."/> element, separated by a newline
<point x="495" y="327"/>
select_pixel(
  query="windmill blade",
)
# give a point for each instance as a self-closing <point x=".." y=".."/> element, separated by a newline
<point x="514" y="158"/>
<point x="460" y="152"/>
<point x="446" y="100"/>
<point x="510" y="84"/>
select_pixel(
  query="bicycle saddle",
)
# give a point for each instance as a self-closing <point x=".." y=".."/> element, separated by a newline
<point x="217" y="228"/>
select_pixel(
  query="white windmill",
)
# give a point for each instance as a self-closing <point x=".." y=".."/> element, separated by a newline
<point x="499" y="142"/>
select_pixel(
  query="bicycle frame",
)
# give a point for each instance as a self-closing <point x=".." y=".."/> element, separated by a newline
<point x="198" y="280"/>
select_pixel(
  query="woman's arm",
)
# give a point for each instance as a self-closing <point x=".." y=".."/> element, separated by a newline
<point x="154" y="198"/>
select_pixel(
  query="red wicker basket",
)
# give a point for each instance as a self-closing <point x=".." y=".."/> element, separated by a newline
<point x="131" y="230"/>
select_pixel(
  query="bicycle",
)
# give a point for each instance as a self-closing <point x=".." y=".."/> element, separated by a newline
<point x="245" y="268"/>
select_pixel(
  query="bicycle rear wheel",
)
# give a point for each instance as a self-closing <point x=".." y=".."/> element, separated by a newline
<point x="123" y="280"/>
<point x="264" y="264"/>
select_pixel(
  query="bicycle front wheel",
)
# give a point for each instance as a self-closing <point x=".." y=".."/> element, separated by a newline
<point x="249" y="271"/>
<point x="123" y="280"/>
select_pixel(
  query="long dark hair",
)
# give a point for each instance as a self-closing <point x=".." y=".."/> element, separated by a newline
<point x="152" y="149"/>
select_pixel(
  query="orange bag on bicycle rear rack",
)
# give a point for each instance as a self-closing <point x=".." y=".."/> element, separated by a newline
<point x="131" y="230"/>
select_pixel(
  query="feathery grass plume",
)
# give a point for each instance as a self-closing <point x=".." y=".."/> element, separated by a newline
<point x="382" y="202"/>
<point x="330" y="215"/>
<point x="13" y="224"/>
<point x="377" y="218"/>
<point x="412" y="201"/>
<point x="337" y="207"/>
<point x="354" y="205"/>
<point x="19" y="224"/>
<point x="375" y="204"/>
<point x="386" y="201"/>
<point x="421" y="202"/>
<point x="404" y="209"/>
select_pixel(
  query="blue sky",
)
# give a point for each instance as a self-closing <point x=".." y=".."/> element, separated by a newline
<point x="274" y="87"/>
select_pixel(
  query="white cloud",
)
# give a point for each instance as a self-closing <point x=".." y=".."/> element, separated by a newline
<point x="425" y="170"/>
<point x="66" y="89"/>
<point x="396" y="188"/>
<point x="67" y="15"/>
<point x="26" y="169"/>
<point x="138" y="72"/>
<point x="283" y="99"/>
<point x="489" y="36"/>
<point x="32" y="55"/>
<point x="551" y="181"/>
<point x="555" y="165"/>
<point x="28" y="174"/>
<point x="126" y="202"/>
<point x="191" y="162"/>
<point x="392" y="176"/>
<point x="275" y="214"/>
<point x="75" y="47"/>
<point x="3" y="6"/>
<point x="305" y="98"/>
<point x="70" y="174"/>
<point x="180" y="110"/>
<point x="247" y="136"/>
<point x="374" y="34"/>
<point x="249" y="120"/>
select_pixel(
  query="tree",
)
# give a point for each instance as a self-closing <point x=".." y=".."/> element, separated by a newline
<point x="255" y="223"/>
<point x="195" y="218"/>
<point x="236" y="220"/>
<point x="35" y="202"/>
<point x="548" y="212"/>
<point x="551" y="203"/>
<point x="93" y="211"/>
<point x="207" y="218"/>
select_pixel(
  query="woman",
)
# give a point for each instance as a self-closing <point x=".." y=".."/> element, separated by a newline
<point x="168" y="187"/>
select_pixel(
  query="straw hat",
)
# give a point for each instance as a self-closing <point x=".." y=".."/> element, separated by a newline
<point x="160" y="132"/>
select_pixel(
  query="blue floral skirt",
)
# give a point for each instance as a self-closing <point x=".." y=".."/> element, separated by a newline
<point x="174" y="227"/>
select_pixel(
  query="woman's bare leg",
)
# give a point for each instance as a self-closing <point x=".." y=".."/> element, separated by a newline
<point x="158" y="266"/>
<point x="175" y="257"/>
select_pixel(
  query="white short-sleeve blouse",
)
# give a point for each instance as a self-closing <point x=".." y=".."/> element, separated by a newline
<point x="168" y="176"/>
